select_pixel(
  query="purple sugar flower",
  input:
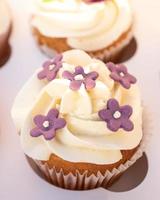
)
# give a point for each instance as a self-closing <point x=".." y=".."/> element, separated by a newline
<point x="93" y="1"/>
<point x="51" y="68"/>
<point x="119" y="73"/>
<point x="79" y="77"/>
<point x="47" y="125"/>
<point x="117" y="116"/>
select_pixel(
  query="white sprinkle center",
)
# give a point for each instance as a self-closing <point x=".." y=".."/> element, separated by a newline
<point x="122" y="74"/>
<point x="46" y="124"/>
<point x="117" y="115"/>
<point x="79" y="77"/>
<point x="51" y="67"/>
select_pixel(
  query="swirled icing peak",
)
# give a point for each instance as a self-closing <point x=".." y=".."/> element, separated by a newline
<point x="83" y="128"/>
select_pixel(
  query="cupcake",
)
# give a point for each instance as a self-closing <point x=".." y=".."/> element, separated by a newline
<point x="80" y="120"/>
<point x="5" y="29"/>
<point x="101" y="28"/>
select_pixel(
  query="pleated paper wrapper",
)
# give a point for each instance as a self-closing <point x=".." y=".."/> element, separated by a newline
<point x="111" y="54"/>
<point x="80" y="181"/>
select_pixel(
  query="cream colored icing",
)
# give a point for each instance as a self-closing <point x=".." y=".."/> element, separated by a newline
<point x="5" y="17"/>
<point x="86" y="137"/>
<point x="89" y="27"/>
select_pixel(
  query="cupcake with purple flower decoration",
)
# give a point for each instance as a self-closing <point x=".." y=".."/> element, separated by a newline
<point x="102" y="28"/>
<point x="80" y="120"/>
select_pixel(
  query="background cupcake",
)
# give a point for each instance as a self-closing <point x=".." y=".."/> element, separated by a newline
<point x="101" y="28"/>
<point x="5" y="30"/>
<point x="80" y="120"/>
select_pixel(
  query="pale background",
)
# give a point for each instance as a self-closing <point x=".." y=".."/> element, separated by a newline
<point x="17" y="179"/>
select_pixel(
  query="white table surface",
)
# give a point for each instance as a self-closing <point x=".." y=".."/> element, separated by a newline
<point x="17" y="179"/>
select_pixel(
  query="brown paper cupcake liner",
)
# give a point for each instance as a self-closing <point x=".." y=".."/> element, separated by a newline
<point x="111" y="53"/>
<point x="80" y="181"/>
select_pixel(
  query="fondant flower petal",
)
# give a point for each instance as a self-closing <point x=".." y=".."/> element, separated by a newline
<point x="36" y="132"/>
<point x="48" y="135"/>
<point x="92" y="1"/>
<point x="113" y="105"/>
<point x="126" y="111"/>
<point x="122" y="68"/>
<point x="51" y="75"/>
<point x="79" y="70"/>
<point x="114" y="124"/>
<point x="115" y="76"/>
<point x="38" y="120"/>
<point x="41" y="74"/>
<point x="92" y="75"/>
<point x="89" y="83"/>
<point x="125" y="82"/>
<point x="47" y="63"/>
<point x="127" y="125"/>
<point x="132" y="79"/>
<point x="75" y="85"/>
<point x="52" y="114"/>
<point x="59" y="123"/>
<point x="59" y="65"/>
<point x="105" y="114"/>
<point x="68" y="75"/>
<point x="111" y="66"/>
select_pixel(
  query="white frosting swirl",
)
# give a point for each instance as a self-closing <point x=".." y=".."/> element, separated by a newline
<point x="89" y="27"/>
<point x="5" y="17"/>
<point x="85" y="138"/>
